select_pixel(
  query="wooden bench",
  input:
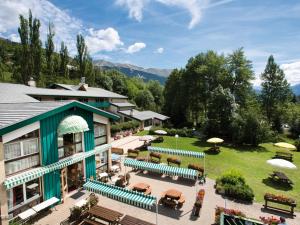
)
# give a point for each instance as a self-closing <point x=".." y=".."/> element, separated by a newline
<point x="196" y="167"/>
<point x="172" y="160"/>
<point x="155" y="157"/>
<point x="132" y="153"/>
<point x="284" y="155"/>
<point x="277" y="201"/>
<point x="87" y="221"/>
<point x="119" y="151"/>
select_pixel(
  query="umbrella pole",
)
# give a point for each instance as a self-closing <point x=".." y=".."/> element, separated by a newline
<point x="156" y="212"/>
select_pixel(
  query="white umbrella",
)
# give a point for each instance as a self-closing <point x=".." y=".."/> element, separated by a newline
<point x="215" y="140"/>
<point x="281" y="163"/>
<point x="285" y="145"/>
<point x="160" y="132"/>
<point x="146" y="138"/>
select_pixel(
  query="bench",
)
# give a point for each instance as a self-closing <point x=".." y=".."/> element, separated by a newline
<point x="172" y="160"/>
<point x="270" y="198"/>
<point x="119" y="151"/>
<point x="196" y="167"/>
<point x="155" y="157"/>
<point x="132" y="153"/>
<point x="87" y="221"/>
<point x="284" y="155"/>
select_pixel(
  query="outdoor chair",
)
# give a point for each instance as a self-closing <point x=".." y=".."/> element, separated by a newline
<point x="172" y="160"/>
<point x="155" y="157"/>
<point x="132" y="153"/>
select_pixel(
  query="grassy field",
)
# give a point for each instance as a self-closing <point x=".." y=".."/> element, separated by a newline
<point x="250" y="161"/>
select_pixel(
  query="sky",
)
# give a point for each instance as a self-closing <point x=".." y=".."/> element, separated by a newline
<point x="166" y="33"/>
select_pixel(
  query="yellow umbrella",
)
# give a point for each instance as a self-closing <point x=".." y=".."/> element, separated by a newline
<point x="285" y="145"/>
<point x="215" y="140"/>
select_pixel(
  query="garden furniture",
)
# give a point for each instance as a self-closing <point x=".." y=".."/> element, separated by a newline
<point x="129" y="220"/>
<point x="87" y="221"/>
<point x="197" y="167"/>
<point x="281" y="177"/>
<point x="142" y="187"/>
<point x="132" y="153"/>
<point x="155" y="157"/>
<point x="173" y="194"/>
<point x="284" y="155"/>
<point x="105" y="214"/>
<point x="280" y="200"/>
<point x="45" y="204"/>
<point x="173" y="160"/>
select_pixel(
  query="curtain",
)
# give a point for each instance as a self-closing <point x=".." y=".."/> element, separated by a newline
<point x="12" y="150"/>
<point x="21" y="164"/>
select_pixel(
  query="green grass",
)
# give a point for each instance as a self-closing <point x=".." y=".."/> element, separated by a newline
<point x="250" y="161"/>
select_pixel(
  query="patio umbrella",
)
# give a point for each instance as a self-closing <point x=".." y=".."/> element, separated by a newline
<point x="160" y="132"/>
<point x="146" y="138"/>
<point x="281" y="163"/>
<point x="215" y="140"/>
<point x="285" y="145"/>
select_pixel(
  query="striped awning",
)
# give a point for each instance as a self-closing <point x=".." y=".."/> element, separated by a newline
<point x="32" y="174"/>
<point x="121" y="194"/>
<point x="158" y="168"/>
<point x="171" y="151"/>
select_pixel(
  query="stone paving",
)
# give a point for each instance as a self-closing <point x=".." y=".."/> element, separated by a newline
<point x="168" y="216"/>
<point x="127" y="143"/>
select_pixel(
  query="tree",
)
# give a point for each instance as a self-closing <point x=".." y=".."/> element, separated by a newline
<point x="30" y="59"/>
<point x="82" y="55"/>
<point x="119" y="82"/>
<point x="275" y="91"/>
<point x="156" y="90"/>
<point x="64" y="60"/>
<point x="175" y="104"/>
<point x="103" y="80"/>
<point x="144" y="100"/>
<point x="221" y="110"/>
<point x="239" y="75"/>
<point x="49" y="49"/>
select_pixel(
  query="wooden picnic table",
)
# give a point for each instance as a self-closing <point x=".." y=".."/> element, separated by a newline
<point x="173" y="194"/>
<point x="141" y="187"/>
<point x="129" y="220"/>
<point x="281" y="177"/>
<point x="105" y="214"/>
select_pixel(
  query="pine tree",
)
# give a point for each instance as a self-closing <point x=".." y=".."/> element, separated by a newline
<point x="275" y="90"/>
<point x="82" y="55"/>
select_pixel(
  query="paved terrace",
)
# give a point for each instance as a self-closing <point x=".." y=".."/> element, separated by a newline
<point x="130" y="142"/>
<point x="167" y="216"/>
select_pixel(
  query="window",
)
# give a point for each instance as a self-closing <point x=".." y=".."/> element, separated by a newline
<point x="101" y="159"/>
<point x="22" y="153"/>
<point x="23" y="194"/>
<point x="100" y="134"/>
<point x="69" y="144"/>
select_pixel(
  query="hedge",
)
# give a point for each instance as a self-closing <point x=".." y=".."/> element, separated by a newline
<point x="184" y="132"/>
<point x="130" y="125"/>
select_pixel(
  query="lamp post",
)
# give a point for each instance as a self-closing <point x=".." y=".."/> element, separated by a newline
<point x="176" y="137"/>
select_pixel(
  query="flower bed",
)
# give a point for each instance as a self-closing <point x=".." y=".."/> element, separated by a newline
<point x="270" y="220"/>
<point x="280" y="199"/>
<point x="231" y="212"/>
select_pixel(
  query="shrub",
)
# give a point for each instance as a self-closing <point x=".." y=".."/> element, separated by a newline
<point x="130" y="125"/>
<point x="184" y="132"/>
<point x="75" y="213"/>
<point x="233" y="184"/>
<point x="297" y="144"/>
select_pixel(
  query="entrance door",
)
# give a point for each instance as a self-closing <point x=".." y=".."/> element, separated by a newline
<point x="64" y="183"/>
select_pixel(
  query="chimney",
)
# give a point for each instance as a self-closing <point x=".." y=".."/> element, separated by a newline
<point x="131" y="112"/>
<point x="82" y="80"/>
<point x="31" y="82"/>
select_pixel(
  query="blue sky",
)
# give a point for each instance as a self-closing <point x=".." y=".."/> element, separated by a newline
<point x="166" y="33"/>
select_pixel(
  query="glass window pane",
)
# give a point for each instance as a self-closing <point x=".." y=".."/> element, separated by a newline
<point x="30" y="146"/>
<point x="15" y="196"/>
<point x="21" y="164"/>
<point x="32" y="189"/>
<point x="100" y="140"/>
<point x="60" y="141"/>
<point x="99" y="130"/>
<point x="78" y="137"/>
<point x="79" y="147"/>
<point x="12" y="150"/>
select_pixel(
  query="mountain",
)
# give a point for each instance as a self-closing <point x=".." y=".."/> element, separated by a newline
<point x="296" y="89"/>
<point x="132" y="70"/>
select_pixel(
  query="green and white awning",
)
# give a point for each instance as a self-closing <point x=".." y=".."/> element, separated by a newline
<point x="170" y="151"/>
<point x="158" y="168"/>
<point x="72" y="124"/>
<point x="32" y="174"/>
<point x="121" y="194"/>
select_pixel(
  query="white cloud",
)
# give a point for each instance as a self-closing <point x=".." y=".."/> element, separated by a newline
<point x="292" y="72"/>
<point x="103" y="40"/>
<point x="135" y="7"/>
<point x="159" y="50"/>
<point x="136" y="47"/>
<point x="194" y="7"/>
<point x="66" y="26"/>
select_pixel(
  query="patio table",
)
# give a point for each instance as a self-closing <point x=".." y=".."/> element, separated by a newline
<point x="141" y="187"/>
<point x="173" y="194"/>
<point x="105" y="214"/>
<point x="281" y="177"/>
<point x="129" y="220"/>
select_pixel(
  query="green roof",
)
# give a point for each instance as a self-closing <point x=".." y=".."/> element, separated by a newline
<point x="16" y="115"/>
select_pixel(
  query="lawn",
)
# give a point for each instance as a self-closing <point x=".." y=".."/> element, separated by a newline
<point x="250" y="161"/>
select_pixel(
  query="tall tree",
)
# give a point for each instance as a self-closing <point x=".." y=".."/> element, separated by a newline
<point x="82" y="55"/>
<point x="30" y="59"/>
<point x="49" y="49"/>
<point x="239" y="75"/>
<point x="64" y="60"/>
<point x="156" y="90"/>
<point x="275" y="91"/>
<point x="144" y="100"/>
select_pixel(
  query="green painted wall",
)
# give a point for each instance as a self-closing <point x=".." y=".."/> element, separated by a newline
<point x="49" y="147"/>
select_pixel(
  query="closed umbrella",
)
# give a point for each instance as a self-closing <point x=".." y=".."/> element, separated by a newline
<point x="162" y="132"/>
<point x="146" y="138"/>
<point x="285" y="145"/>
<point x="281" y="163"/>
